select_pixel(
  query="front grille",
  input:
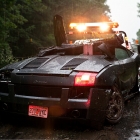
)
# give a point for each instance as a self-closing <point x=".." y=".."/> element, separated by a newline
<point x="38" y="91"/>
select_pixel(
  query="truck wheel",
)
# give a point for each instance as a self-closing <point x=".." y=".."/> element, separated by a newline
<point x="115" y="107"/>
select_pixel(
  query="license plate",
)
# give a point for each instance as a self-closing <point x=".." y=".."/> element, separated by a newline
<point x="38" y="111"/>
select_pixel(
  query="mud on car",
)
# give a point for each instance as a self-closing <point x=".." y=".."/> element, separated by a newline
<point x="87" y="75"/>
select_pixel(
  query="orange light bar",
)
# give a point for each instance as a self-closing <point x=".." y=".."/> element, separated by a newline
<point x="96" y="24"/>
<point x="114" y="24"/>
<point x="72" y="25"/>
<point x="104" y="27"/>
<point x="79" y="26"/>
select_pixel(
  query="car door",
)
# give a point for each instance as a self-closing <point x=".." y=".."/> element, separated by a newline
<point x="129" y="66"/>
<point x="59" y="30"/>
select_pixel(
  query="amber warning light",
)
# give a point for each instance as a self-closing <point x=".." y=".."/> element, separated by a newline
<point x="104" y="26"/>
<point x="136" y="41"/>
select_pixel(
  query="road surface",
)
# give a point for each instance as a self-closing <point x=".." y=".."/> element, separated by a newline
<point x="23" y="127"/>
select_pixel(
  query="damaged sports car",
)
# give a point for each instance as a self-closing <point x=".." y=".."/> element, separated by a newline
<point x="88" y="75"/>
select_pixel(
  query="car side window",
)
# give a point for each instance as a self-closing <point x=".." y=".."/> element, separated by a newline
<point x="121" y="54"/>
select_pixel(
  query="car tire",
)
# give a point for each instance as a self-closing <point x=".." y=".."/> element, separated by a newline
<point x="115" y="107"/>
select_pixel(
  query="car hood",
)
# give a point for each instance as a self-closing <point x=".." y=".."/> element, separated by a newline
<point x="56" y="64"/>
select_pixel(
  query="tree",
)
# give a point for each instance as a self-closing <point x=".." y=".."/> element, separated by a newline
<point x="26" y="39"/>
<point x="78" y="11"/>
<point x="27" y="26"/>
<point x="6" y="24"/>
<point x="37" y="32"/>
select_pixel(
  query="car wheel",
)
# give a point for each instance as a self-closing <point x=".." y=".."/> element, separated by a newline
<point x="115" y="107"/>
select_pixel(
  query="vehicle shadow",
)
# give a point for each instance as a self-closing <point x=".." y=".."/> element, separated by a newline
<point x="23" y="127"/>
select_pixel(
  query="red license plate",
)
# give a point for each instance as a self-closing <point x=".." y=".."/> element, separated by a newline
<point x="38" y="111"/>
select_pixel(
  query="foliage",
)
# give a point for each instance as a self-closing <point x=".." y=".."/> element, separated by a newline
<point x="6" y="24"/>
<point x="26" y="25"/>
<point x="138" y="35"/>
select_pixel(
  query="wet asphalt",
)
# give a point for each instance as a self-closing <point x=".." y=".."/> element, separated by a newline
<point x="23" y="127"/>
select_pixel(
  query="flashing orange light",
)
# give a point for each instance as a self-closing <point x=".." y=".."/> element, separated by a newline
<point x="81" y="27"/>
<point x="72" y="25"/>
<point x="114" y="24"/>
<point x="104" y="26"/>
<point x="136" y="41"/>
